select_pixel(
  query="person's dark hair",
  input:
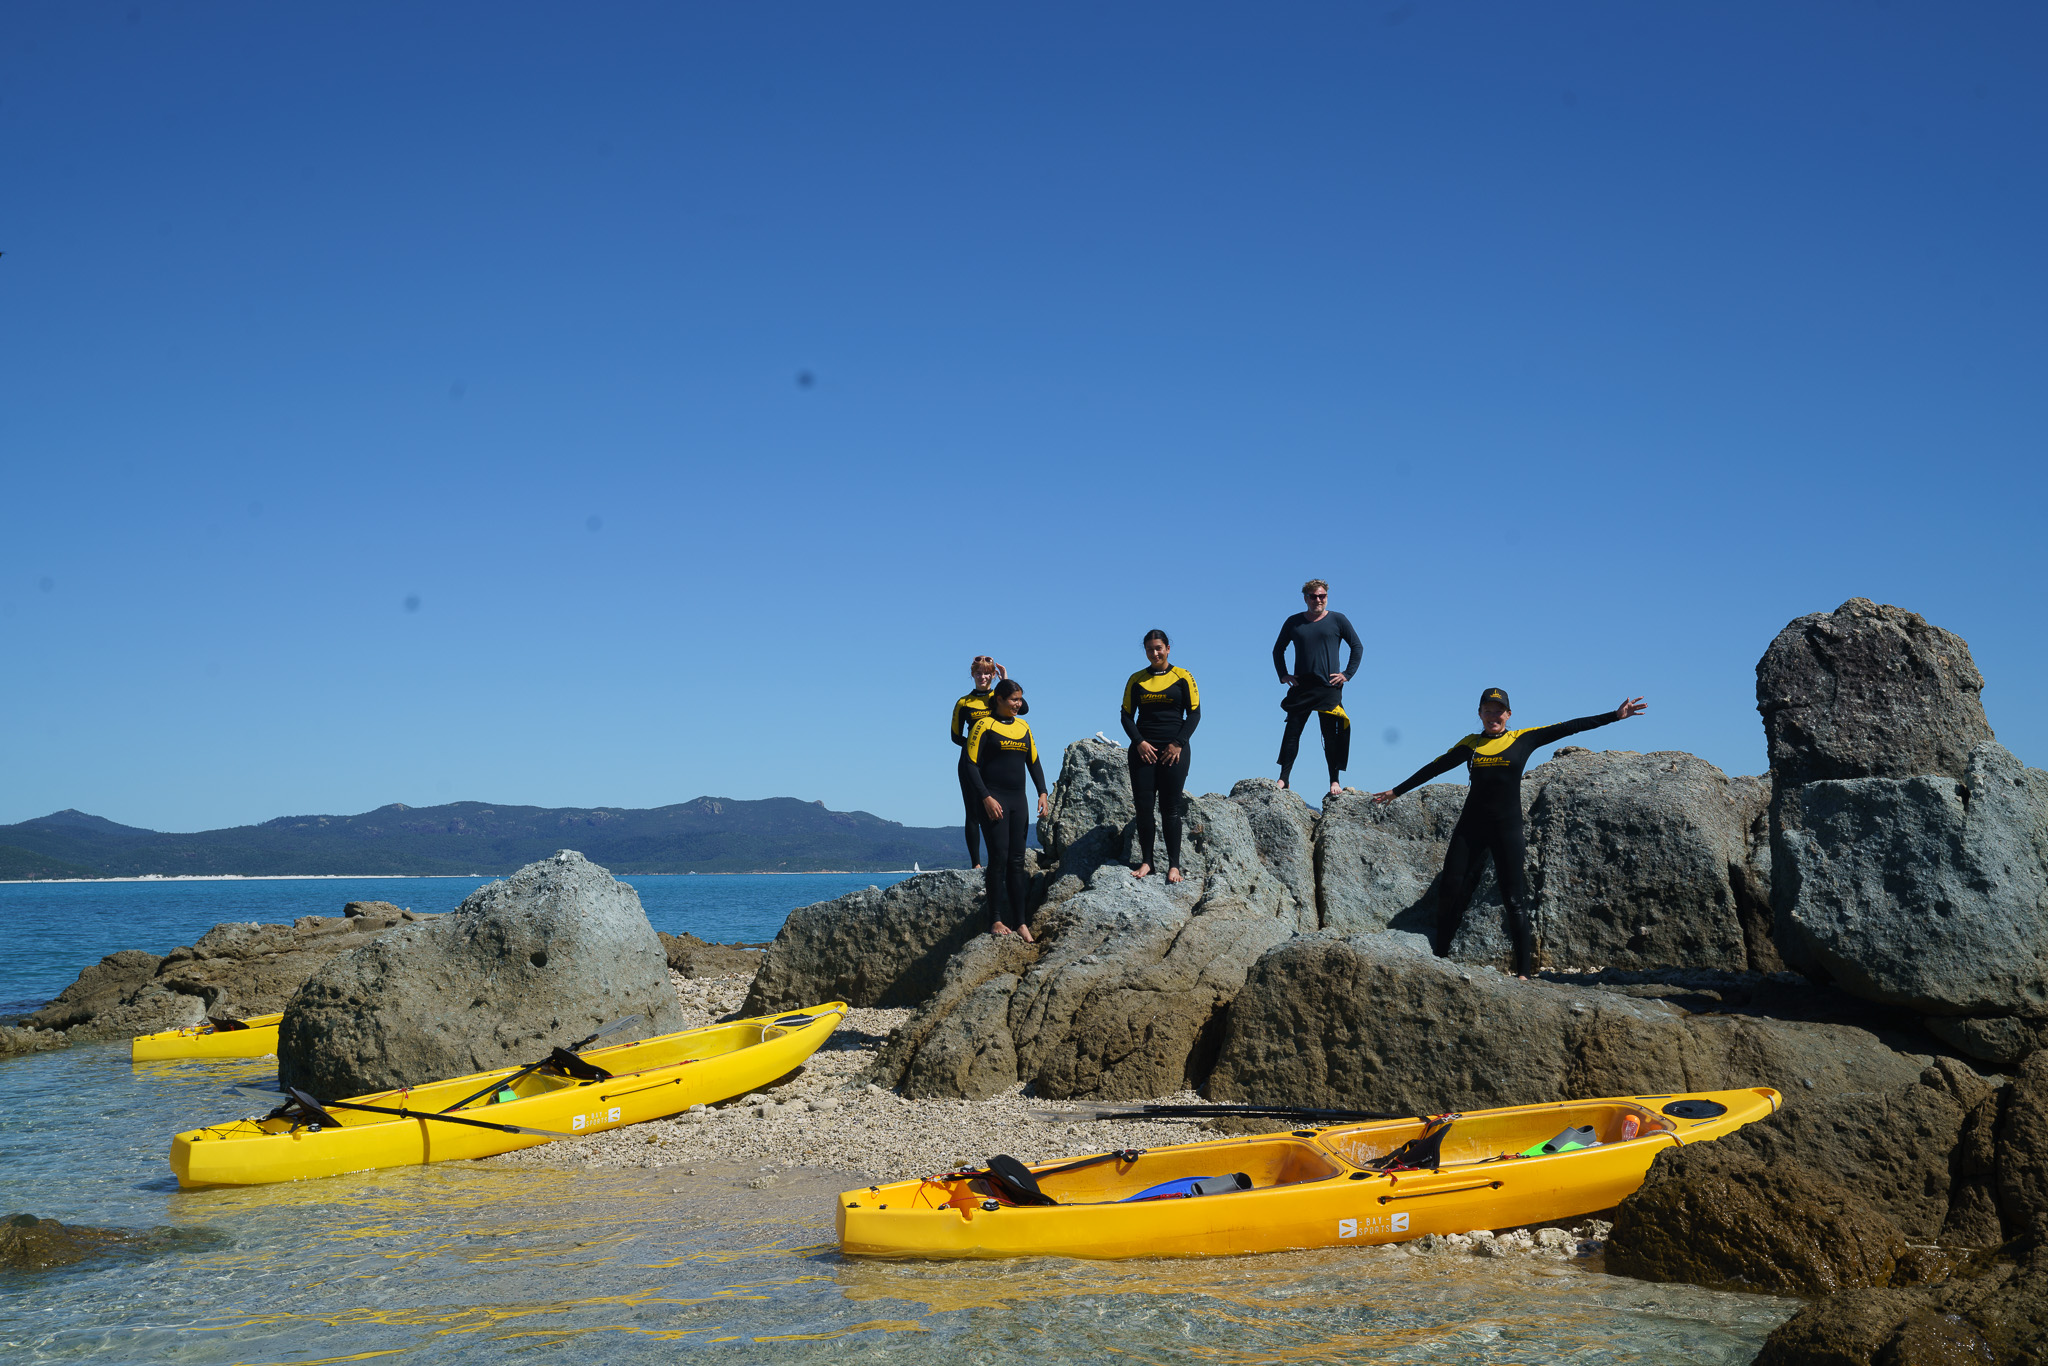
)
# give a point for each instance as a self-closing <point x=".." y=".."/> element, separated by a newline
<point x="1159" y="636"/>
<point x="1009" y="687"/>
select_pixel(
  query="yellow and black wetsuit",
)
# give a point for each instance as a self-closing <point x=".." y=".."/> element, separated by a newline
<point x="1316" y="643"/>
<point x="998" y="756"/>
<point x="966" y="712"/>
<point x="1492" y="822"/>
<point x="1161" y="707"/>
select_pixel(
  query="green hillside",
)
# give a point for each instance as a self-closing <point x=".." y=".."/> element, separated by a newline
<point x="708" y="835"/>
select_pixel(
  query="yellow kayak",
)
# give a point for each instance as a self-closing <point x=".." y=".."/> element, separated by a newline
<point x="255" y="1037"/>
<point x="1381" y="1182"/>
<point x="649" y="1079"/>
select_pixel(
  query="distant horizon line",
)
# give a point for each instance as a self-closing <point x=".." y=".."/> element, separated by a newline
<point x="399" y="877"/>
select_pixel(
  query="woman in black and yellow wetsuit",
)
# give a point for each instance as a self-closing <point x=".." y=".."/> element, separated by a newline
<point x="966" y="711"/>
<point x="1000" y="752"/>
<point x="1161" y="708"/>
<point x="1492" y="819"/>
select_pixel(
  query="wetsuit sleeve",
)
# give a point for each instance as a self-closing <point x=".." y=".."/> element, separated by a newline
<point x="970" y="766"/>
<point x="1194" y="716"/>
<point x="1280" y="647"/>
<point x="1350" y="639"/>
<point x="1543" y="735"/>
<point x="955" y="731"/>
<point x="1037" y="773"/>
<point x="1435" y="768"/>
<point x="1128" y="712"/>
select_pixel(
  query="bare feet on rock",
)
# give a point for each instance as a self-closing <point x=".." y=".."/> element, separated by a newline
<point x="1173" y="875"/>
<point x="1142" y="870"/>
<point x="1335" y="788"/>
<point x="999" y="928"/>
<point x="1024" y="933"/>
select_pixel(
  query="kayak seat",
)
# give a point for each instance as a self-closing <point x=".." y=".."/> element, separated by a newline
<point x="1188" y="1187"/>
<point x="1570" y="1139"/>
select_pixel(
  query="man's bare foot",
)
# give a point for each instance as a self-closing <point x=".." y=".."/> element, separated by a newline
<point x="973" y="867"/>
<point x="1173" y="875"/>
<point x="1142" y="870"/>
<point x="1283" y="782"/>
<point x="1335" y="788"/>
<point x="999" y="928"/>
<point x="1024" y="933"/>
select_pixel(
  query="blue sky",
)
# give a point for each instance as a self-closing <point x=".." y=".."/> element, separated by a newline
<point x="1580" y="346"/>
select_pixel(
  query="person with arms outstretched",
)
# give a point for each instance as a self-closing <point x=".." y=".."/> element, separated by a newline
<point x="1000" y="752"/>
<point x="1316" y="687"/>
<point x="1492" y="819"/>
<point x="966" y="711"/>
<point x="1161" y="708"/>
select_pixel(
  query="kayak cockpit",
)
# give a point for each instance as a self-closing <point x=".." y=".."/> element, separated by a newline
<point x="1514" y="1133"/>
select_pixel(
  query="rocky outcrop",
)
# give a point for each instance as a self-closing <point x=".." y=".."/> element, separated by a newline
<point x="1923" y="892"/>
<point x="1717" y="1216"/>
<point x="1992" y="1312"/>
<point x="1378" y="1022"/>
<point x="871" y="947"/>
<point x="694" y="957"/>
<point x="521" y="966"/>
<point x="1635" y="861"/>
<point x="234" y="971"/>
<point x="1646" y="860"/>
<point x="1124" y="999"/>
<point x="1868" y="691"/>
<point x="1092" y="812"/>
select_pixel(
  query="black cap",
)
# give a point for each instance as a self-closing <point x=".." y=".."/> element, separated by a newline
<point x="1495" y="695"/>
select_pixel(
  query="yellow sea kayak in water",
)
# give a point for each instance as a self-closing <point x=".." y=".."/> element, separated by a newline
<point x="1381" y="1182"/>
<point x="649" y="1079"/>
<point x="255" y="1037"/>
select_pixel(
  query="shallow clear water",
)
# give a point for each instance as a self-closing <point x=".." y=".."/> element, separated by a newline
<point x="56" y="928"/>
<point x="479" y="1262"/>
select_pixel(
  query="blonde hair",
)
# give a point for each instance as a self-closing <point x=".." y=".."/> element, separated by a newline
<point x="1315" y="583"/>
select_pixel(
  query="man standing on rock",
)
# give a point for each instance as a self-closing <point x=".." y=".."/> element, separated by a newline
<point x="1317" y="685"/>
<point x="1492" y="819"/>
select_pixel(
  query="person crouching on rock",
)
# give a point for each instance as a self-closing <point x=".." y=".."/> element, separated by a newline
<point x="1161" y="708"/>
<point x="1492" y="818"/>
<point x="966" y="711"/>
<point x="1000" y="752"/>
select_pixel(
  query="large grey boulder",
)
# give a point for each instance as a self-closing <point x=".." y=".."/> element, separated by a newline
<point x="1868" y="691"/>
<point x="874" y="947"/>
<point x="1092" y="811"/>
<point x="1378" y="1022"/>
<point x="1634" y="861"/>
<point x="539" y="959"/>
<point x="1923" y="892"/>
<point x="1645" y="860"/>
<point x="1125" y="995"/>
<point x="1377" y="866"/>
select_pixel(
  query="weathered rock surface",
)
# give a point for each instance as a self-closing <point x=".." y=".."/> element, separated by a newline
<point x="1922" y="891"/>
<point x="1093" y="814"/>
<point x="522" y="965"/>
<point x="1989" y="1314"/>
<point x="235" y="970"/>
<point x="1126" y="995"/>
<point x="1868" y="691"/>
<point x="2003" y="1041"/>
<point x="872" y="947"/>
<point x="1645" y="860"/>
<point x="1378" y="1022"/>
<point x="31" y="1244"/>
<point x="1635" y="861"/>
<point x="694" y="957"/>
<point x="1720" y="1217"/>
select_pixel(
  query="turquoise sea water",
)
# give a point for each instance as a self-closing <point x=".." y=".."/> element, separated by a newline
<point x="56" y="928"/>
<point x="487" y="1263"/>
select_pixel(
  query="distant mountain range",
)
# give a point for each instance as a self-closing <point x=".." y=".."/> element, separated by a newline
<point x="708" y="835"/>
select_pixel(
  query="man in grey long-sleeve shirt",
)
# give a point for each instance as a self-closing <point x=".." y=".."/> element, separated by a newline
<point x="1317" y="684"/>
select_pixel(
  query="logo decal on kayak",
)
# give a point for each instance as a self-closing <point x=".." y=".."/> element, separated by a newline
<point x="1347" y="1228"/>
<point x="576" y="1123"/>
<point x="1401" y="1223"/>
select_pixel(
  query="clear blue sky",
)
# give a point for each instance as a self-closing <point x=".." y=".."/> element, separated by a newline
<point x="1580" y="346"/>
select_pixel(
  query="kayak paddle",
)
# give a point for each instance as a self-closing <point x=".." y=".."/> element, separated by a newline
<point x="1101" y="1112"/>
<point x="316" y="1112"/>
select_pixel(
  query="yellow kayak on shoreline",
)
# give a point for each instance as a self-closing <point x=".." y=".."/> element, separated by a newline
<point x="1379" y="1182"/>
<point x="649" y="1079"/>
<point x="255" y="1037"/>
